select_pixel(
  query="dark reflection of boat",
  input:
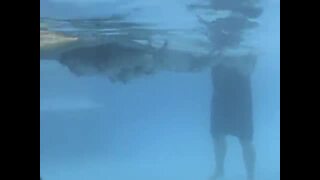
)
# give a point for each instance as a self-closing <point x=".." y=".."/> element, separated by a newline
<point x="60" y="35"/>
<point x="110" y="46"/>
<point x="126" y="60"/>
<point x="96" y="31"/>
<point x="122" y="50"/>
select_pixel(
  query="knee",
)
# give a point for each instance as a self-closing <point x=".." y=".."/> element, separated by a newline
<point x="219" y="141"/>
<point x="246" y="143"/>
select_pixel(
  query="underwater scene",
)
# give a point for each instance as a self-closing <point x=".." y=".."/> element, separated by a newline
<point x="160" y="89"/>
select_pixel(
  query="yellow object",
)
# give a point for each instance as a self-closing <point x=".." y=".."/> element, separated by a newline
<point x="51" y="39"/>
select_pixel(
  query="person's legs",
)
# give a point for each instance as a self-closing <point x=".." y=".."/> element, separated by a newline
<point x="249" y="157"/>
<point x="220" y="148"/>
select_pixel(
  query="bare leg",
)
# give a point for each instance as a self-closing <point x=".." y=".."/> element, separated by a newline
<point x="220" y="149"/>
<point x="249" y="157"/>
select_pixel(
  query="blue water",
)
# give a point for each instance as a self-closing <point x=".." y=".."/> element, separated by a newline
<point x="156" y="127"/>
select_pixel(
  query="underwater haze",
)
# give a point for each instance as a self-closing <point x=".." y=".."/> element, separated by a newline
<point x="156" y="127"/>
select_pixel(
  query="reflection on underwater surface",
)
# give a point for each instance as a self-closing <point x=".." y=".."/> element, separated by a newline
<point x="157" y="124"/>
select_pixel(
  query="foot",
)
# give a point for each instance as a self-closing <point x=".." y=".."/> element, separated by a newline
<point x="250" y="177"/>
<point x="217" y="175"/>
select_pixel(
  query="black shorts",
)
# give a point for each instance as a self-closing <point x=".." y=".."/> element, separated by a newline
<point x="231" y="111"/>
